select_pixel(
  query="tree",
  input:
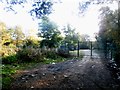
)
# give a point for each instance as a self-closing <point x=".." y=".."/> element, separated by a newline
<point x="50" y="33"/>
<point x="38" y="8"/>
<point x="71" y="37"/>
<point x="7" y="47"/>
<point x="108" y="25"/>
<point x="31" y="41"/>
<point x="44" y="7"/>
<point x="84" y="5"/>
<point x="85" y="39"/>
<point x="108" y="36"/>
<point x="18" y="36"/>
<point x="4" y="34"/>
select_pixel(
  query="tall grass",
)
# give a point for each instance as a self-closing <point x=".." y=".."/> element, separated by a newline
<point x="75" y="54"/>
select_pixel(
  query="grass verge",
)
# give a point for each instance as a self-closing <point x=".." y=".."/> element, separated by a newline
<point x="75" y="54"/>
<point x="9" y="70"/>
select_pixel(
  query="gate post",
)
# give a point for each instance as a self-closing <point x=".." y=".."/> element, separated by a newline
<point x="78" y="49"/>
<point x="91" y="49"/>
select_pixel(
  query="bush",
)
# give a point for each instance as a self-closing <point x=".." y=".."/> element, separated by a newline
<point x="8" y="54"/>
<point x="6" y="81"/>
<point x="8" y="51"/>
<point x="51" y="55"/>
<point x="63" y="53"/>
<point x="9" y="59"/>
<point x="117" y="57"/>
<point x="23" y="55"/>
<point x="7" y="72"/>
<point x="30" y="54"/>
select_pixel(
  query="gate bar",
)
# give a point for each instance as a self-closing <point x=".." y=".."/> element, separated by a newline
<point x="78" y="49"/>
<point x="91" y="49"/>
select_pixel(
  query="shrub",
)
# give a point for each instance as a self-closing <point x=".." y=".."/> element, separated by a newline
<point x="8" y="55"/>
<point x="117" y="57"/>
<point x="23" y="55"/>
<point x="9" y="59"/>
<point x="7" y="51"/>
<point x="51" y="55"/>
<point x="29" y="54"/>
<point x="63" y="53"/>
<point x="7" y="72"/>
<point x="6" y="82"/>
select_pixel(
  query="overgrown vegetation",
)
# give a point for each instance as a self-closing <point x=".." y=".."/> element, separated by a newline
<point x="108" y="37"/>
<point x="7" y="72"/>
<point x="19" y="52"/>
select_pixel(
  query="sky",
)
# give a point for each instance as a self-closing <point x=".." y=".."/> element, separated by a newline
<point x="22" y="19"/>
<point x="64" y="13"/>
<point x="70" y="15"/>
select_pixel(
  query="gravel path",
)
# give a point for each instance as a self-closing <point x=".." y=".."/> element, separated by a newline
<point x="86" y="74"/>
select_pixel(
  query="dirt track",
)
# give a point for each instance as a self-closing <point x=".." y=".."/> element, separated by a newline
<point x="86" y="74"/>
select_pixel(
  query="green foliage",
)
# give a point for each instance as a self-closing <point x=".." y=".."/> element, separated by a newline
<point x="85" y="4"/>
<point x="7" y="72"/>
<point x="71" y="37"/>
<point x="9" y="59"/>
<point x="50" y="33"/>
<point x="84" y="45"/>
<point x="31" y="42"/>
<point x="18" y="36"/>
<point x="41" y="8"/>
<point x="85" y="38"/>
<point x="7" y="51"/>
<point x="108" y="26"/>
<point x="26" y="55"/>
<point x="52" y="55"/>
<point x="63" y="53"/>
<point x="10" y="38"/>
<point x="29" y="55"/>
<point x="109" y="35"/>
<point x="53" y="61"/>
<point x="6" y="81"/>
<point x="45" y="22"/>
<point x="5" y="35"/>
<point x="38" y="8"/>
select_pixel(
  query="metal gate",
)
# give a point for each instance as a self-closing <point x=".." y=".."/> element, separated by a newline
<point x="87" y="51"/>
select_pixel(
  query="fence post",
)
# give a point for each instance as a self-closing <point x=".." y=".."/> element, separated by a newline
<point x="91" y="48"/>
<point x="111" y="54"/>
<point x="78" y="49"/>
